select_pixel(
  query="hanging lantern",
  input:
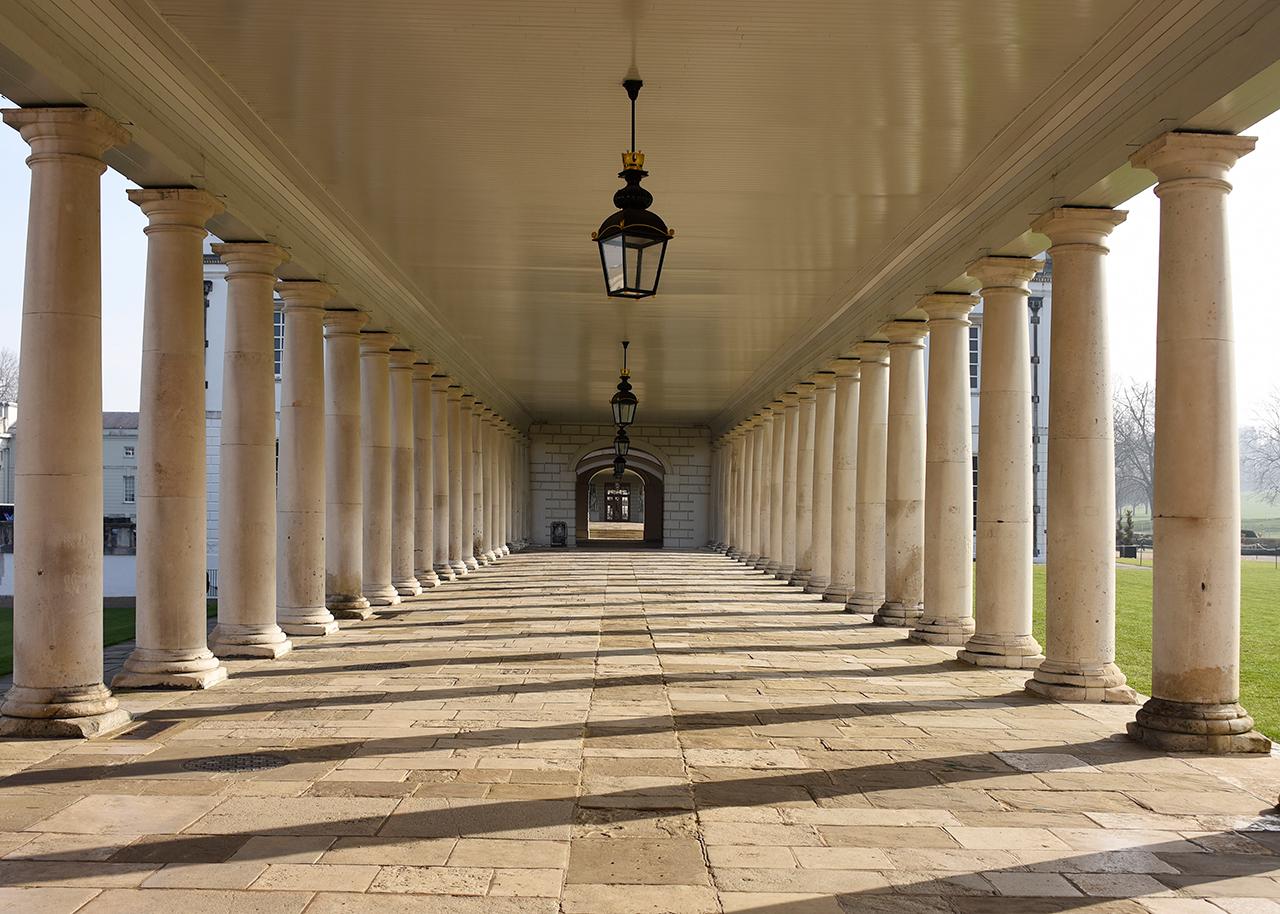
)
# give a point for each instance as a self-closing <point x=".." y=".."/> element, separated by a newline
<point x="621" y="443"/>
<point x="619" y="466"/>
<point x="624" y="402"/>
<point x="633" y="241"/>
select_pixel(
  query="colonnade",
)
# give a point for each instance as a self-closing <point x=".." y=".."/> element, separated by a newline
<point x="887" y="491"/>
<point x="378" y="494"/>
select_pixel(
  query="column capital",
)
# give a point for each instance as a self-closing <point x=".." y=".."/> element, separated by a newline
<point x="1176" y="155"/>
<point x="846" y="366"/>
<point x="807" y="390"/>
<point x="996" y="272"/>
<point x="1078" y="225"/>
<point x="440" y="381"/>
<point x="824" y="379"/>
<point x="422" y="371"/>
<point x="256" y="257"/>
<point x="454" y="391"/>
<point x="872" y="352"/>
<point x="304" y="294"/>
<point x="175" y="208"/>
<point x="403" y="359"/>
<point x="85" y="132"/>
<point x="376" y="342"/>
<point x="468" y="401"/>
<point x="906" y="334"/>
<point x="344" y="322"/>
<point x="790" y="400"/>
<point x="948" y="306"/>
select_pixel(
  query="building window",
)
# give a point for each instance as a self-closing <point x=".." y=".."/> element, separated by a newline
<point x="279" y="340"/>
<point x="975" y="493"/>
<point x="128" y="450"/>
<point x="129" y="490"/>
<point x="973" y="357"/>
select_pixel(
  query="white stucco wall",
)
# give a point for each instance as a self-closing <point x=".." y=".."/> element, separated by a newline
<point x="553" y="454"/>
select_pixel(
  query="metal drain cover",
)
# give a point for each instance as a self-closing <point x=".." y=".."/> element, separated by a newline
<point x="246" y="761"/>
<point x="375" y="667"/>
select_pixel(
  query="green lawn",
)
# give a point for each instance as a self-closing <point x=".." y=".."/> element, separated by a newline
<point x="1259" y="622"/>
<point x="117" y="626"/>
<point x="1256" y="514"/>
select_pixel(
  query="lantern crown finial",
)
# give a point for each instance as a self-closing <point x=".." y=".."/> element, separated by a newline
<point x="633" y="161"/>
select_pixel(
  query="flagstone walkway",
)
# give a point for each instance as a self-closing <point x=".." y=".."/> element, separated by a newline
<point x="628" y="732"/>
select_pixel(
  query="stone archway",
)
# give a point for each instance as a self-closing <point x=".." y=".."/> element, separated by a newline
<point x="649" y="472"/>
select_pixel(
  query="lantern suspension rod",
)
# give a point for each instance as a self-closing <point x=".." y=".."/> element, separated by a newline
<point x="625" y="344"/>
<point x="633" y="89"/>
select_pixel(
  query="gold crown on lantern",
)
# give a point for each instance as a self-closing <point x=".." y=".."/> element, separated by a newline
<point x="632" y="160"/>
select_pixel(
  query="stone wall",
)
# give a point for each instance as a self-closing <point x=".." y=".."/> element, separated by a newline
<point x="686" y="451"/>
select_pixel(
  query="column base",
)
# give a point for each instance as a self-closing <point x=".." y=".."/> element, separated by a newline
<point x="1072" y="682"/>
<point x="310" y="629"/>
<point x="1013" y="652"/>
<point x="408" y="587"/>
<point x="771" y="568"/>
<point x="382" y="596"/>
<point x="733" y="554"/>
<point x="898" y="614"/>
<point x="799" y="578"/>
<point x="761" y="564"/>
<point x="459" y="568"/>
<point x="304" y="621"/>
<point x="427" y="578"/>
<point x="837" y="593"/>
<point x="255" y="642"/>
<point x="445" y="573"/>
<point x="816" y="585"/>
<point x="750" y="559"/>
<point x="948" y="632"/>
<point x="74" y="712"/>
<point x="490" y="557"/>
<point x="864" y="603"/>
<point x="506" y="549"/>
<point x="150" y="668"/>
<point x="784" y="573"/>
<point x="1183" y="726"/>
<point x="471" y="562"/>
<point x="348" y="606"/>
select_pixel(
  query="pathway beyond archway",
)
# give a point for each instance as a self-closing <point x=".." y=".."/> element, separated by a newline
<point x="624" y="732"/>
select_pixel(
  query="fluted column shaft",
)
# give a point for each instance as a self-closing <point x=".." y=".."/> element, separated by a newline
<point x="344" y="467"/>
<point x="376" y="466"/>
<point x="1080" y="631"/>
<point x="57" y="616"/>
<point x="459" y="518"/>
<point x="804" y="482"/>
<point x="403" y="578"/>
<point x="844" y="474"/>
<point x="300" y="498"/>
<point x="824" y="419"/>
<point x="947" y="615"/>
<point x="172" y="583"/>
<point x="873" y="436"/>
<point x="424" y="511"/>
<point x="904" y="477"/>
<point x="441" y="474"/>
<point x="790" y="457"/>
<point x="1195" y="652"/>
<point x="1002" y="613"/>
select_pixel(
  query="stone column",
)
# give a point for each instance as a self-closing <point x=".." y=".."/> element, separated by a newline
<point x="790" y="448"/>
<point x="403" y="502"/>
<point x="376" y="462"/>
<point x="904" y="477"/>
<point x="1080" y="632"/>
<point x="873" y="435"/>
<point x="300" y="495"/>
<point x="947" y="615"/>
<point x="777" y="468"/>
<point x="441" y="473"/>
<point x="248" y="618"/>
<point x="423" y="479"/>
<point x="844" y="475"/>
<point x="764" y="489"/>
<point x="502" y="511"/>
<point x="57" y="607"/>
<point x="1002" y="614"/>
<point x="735" y="494"/>
<point x="804" y="483"/>
<point x="467" y="445"/>
<point x="488" y="519"/>
<point x="751" y="492"/>
<point x="459" y="520"/>
<point x="1195" y="657"/>
<point x="172" y="582"/>
<point x="824" y="420"/>
<point x="344" y="476"/>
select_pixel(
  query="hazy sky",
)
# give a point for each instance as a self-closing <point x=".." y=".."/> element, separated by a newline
<point x="1131" y="273"/>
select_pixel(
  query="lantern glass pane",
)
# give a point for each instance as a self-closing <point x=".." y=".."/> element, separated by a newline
<point x="611" y="253"/>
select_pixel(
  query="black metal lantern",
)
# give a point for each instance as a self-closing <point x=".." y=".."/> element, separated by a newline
<point x="624" y="402"/>
<point x="619" y="467"/>
<point x="633" y="241"/>
<point x="621" y="443"/>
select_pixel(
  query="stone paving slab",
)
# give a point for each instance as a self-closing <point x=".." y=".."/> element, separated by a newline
<point x="628" y="733"/>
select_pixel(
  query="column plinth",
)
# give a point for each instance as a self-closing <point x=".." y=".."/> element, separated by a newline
<point x="1002" y="616"/>
<point x="873" y="428"/>
<point x="824" y="418"/>
<point x="1195" y="651"/>
<point x="377" y="463"/>
<point x="844" y="473"/>
<point x="904" y="477"/>
<point x="403" y="578"/>
<point x="344" y="476"/>
<point x="947" y="614"/>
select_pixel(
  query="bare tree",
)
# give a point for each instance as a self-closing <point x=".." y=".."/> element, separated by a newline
<point x="8" y="376"/>
<point x="1135" y="425"/>
<point x="1260" y="449"/>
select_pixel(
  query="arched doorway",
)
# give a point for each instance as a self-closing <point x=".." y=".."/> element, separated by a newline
<point x="619" y="512"/>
